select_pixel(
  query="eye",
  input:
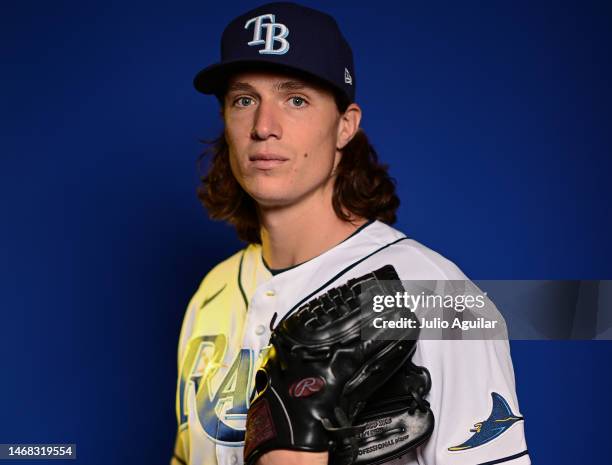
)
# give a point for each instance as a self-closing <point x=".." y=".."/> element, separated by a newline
<point x="298" y="101"/>
<point x="243" y="101"/>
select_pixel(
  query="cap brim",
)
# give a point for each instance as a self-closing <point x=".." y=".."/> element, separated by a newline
<point x="213" y="79"/>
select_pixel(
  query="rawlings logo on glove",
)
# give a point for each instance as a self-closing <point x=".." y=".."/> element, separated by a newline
<point x="307" y="387"/>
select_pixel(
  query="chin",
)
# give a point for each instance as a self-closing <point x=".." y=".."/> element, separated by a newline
<point x="268" y="195"/>
<point x="274" y="199"/>
<point x="271" y="201"/>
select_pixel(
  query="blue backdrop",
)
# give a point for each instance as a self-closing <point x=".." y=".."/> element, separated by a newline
<point x="494" y="117"/>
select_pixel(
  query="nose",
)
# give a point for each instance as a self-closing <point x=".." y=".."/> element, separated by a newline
<point x="267" y="122"/>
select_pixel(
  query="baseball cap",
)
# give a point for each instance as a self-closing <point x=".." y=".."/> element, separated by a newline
<point x="287" y="36"/>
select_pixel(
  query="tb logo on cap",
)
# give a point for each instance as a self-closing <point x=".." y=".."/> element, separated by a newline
<point x="271" y="38"/>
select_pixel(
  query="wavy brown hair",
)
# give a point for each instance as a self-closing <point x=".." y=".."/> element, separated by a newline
<point x="362" y="187"/>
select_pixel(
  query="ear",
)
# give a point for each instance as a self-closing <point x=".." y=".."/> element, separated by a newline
<point x="348" y="125"/>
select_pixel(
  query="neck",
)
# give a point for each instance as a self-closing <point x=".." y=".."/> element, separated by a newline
<point x="297" y="234"/>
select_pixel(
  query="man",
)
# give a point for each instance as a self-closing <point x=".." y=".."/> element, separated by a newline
<point x="297" y="177"/>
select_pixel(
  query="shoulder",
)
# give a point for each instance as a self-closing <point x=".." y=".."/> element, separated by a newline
<point x="221" y="281"/>
<point x="411" y="259"/>
<point x="228" y="271"/>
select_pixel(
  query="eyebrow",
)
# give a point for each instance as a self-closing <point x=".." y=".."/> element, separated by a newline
<point x="280" y="86"/>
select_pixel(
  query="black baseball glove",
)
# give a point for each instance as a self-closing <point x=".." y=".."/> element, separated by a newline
<point x="323" y="387"/>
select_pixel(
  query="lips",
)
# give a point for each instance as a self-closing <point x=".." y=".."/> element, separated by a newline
<point x="266" y="161"/>
<point x="267" y="157"/>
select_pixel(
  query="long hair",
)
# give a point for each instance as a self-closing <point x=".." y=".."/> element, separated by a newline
<point x="362" y="187"/>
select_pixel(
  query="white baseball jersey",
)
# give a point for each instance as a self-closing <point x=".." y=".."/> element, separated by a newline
<point x="227" y="324"/>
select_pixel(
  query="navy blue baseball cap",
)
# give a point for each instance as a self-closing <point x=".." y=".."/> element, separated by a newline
<point x="284" y="36"/>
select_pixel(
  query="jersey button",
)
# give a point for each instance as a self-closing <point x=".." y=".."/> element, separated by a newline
<point x="234" y="459"/>
<point x="260" y="329"/>
<point x="270" y="293"/>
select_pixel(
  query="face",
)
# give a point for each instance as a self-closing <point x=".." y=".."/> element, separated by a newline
<point x="284" y="136"/>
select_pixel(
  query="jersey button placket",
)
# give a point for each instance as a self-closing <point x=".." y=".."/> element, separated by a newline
<point x="260" y="329"/>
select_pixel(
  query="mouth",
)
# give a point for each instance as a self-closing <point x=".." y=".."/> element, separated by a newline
<point x="266" y="161"/>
